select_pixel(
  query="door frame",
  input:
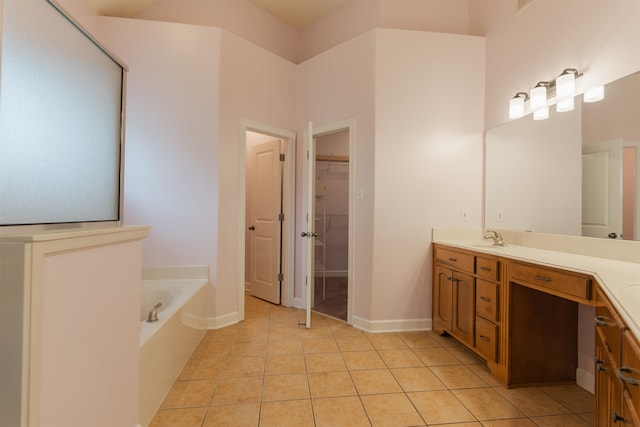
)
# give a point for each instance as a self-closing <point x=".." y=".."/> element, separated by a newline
<point x="350" y="126"/>
<point x="288" y="203"/>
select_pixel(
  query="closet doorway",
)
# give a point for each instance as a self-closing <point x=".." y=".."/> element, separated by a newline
<point x="267" y="203"/>
<point x="331" y="223"/>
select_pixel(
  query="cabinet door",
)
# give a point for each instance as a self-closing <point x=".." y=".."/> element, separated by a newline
<point x="604" y="384"/>
<point x="464" y="312"/>
<point x="629" y="374"/>
<point x="443" y="299"/>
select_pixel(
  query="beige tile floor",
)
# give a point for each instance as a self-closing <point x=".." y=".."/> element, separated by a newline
<point x="269" y="371"/>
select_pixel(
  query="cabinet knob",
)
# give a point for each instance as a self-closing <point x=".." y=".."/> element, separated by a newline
<point x="485" y="299"/>
<point x="253" y="227"/>
<point x="600" y="366"/>
<point x="602" y="321"/>
<point x="615" y="417"/>
<point x="621" y="371"/>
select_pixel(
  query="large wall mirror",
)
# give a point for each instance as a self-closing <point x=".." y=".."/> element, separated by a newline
<point x="576" y="173"/>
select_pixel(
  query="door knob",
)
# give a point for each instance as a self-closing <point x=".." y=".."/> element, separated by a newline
<point x="309" y="234"/>
<point x="253" y="227"/>
<point x="612" y="235"/>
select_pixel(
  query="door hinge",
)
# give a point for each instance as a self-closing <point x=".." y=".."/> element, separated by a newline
<point x="281" y="217"/>
<point x="280" y="277"/>
<point x="282" y="157"/>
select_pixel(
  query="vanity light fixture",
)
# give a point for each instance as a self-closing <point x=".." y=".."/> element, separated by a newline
<point x="538" y="96"/>
<point x="516" y="105"/>
<point x="594" y="95"/>
<point x="560" y="91"/>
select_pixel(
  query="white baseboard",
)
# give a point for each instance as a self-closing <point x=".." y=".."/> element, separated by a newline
<point x="222" y="321"/>
<point x="397" y="325"/>
<point x="298" y="303"/>
<point x="586" y="380"/>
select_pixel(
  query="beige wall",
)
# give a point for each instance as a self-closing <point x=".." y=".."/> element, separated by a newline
<point x="428" y="160"/>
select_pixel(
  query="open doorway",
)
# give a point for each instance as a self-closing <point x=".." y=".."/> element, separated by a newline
<point x="266" y="235"/>
<point x="331" y="224"/>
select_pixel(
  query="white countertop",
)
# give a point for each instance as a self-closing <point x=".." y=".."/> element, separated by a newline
<point x="620" y="280"/>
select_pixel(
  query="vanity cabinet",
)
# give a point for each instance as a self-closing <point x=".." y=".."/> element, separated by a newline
<point x="617" y="368"/>
<point x="525" y="326"/>
<point x="465" y="299"/>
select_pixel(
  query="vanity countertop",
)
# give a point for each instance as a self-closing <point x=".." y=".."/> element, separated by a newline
<point x="620" y="280"/>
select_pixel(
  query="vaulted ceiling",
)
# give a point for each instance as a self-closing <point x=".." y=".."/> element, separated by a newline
<point x="297" y="13"/>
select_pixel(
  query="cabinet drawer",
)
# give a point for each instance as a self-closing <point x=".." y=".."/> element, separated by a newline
<point x="488" y="268"/>
<point x="487" y="339"/>
<point x="487" y="299"/>
<point x="608" y="326"/>
<point x="560" y="281"/>
<point x="629" y="370"/>
<point x="458" y="260"/>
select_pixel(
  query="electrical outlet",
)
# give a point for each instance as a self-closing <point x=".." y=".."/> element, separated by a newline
<point x="464" y="215"/>
<point x="499" y="215"/>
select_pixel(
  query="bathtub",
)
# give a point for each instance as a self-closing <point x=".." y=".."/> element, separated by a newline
<point x="165" y="345"/>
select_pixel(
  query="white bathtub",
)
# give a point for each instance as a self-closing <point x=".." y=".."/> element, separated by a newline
<point x="165" y="345"/>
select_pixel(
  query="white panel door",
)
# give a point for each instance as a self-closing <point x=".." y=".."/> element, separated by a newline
<point x="602" y="189"/>
<point x="308" y="235"/>
<point x="265" y="224"/>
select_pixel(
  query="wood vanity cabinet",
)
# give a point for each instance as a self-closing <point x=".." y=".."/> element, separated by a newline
<point x="465" y="299"/>
<point x="511" y="313"/>
<point x="617" y="368"/>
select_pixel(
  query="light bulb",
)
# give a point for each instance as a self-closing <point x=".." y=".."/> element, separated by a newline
<point x="594" y="95"/>
<point x="538" y="98"/>
<point x="516" y="107"/>
<point x="541" y="114"/>
<point x="565" y="105"/>
<point x="566" y="86"/>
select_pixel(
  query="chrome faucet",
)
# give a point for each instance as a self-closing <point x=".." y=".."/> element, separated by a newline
<point x="496" y="237"/>
<point x="153" y="314"/>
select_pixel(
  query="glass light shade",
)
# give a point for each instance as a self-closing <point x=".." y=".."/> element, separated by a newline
<point x="541" y="114"/>
<point x="516" y="107"/>
<point x="566" y="86"/>
<point x="594" y="95"/>
<point x="538" y="98"/>
<point x="565" y="105"/>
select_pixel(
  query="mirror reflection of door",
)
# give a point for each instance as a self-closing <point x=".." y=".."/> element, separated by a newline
<point x="609" y="190"/>
<point x="331" y="217"/>
<point x="264" y="207"/>
<point x="602" y="189"/>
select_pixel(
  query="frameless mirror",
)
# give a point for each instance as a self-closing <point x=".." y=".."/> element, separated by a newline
<point x="576" y="173"/>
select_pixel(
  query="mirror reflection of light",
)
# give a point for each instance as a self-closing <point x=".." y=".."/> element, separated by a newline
<point x="594" y="95"/>
<point x="565" y="105"/>
<point x="541" y="114"/>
